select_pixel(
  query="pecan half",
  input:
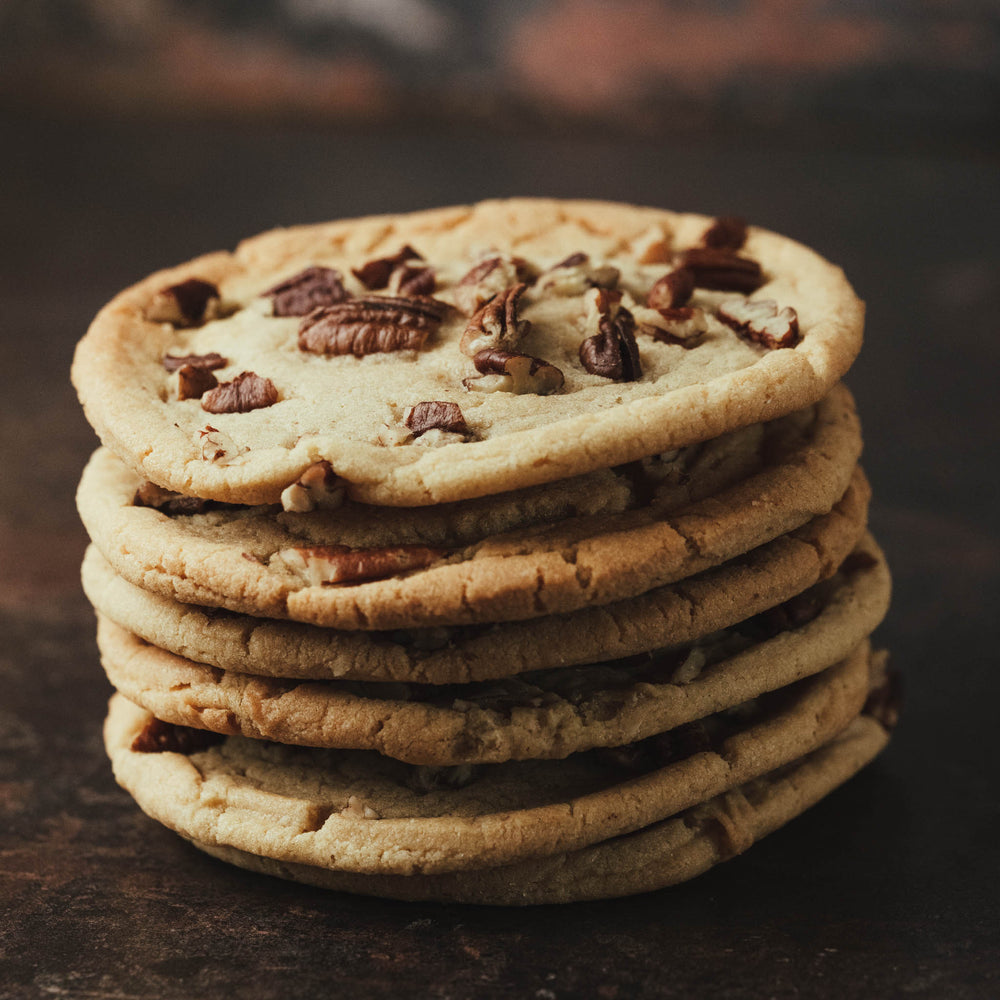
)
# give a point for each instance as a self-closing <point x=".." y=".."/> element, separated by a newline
<point x="307" y="290"/>
<point x="436" y="415"/>
<point x="727" y="232"/>
<point x="187" y="303"/>
<point x="317" y="565"/>
<point x="167" y="501"/>
<point x="761" y="322"/>
<point x="517" y="373"/>
<point x="722" y="270"/>
<point x="248" y="391"/>
<point x="674" y="289"/>
<point x="685" y="326"/>
<point x="164" y="737"/>
<point x="576" y="274"/>
<point x="371" y="325"/>
<point x="496" y="325"/>
<point x="612" y="352"/>
<point x="207" y="361"/>
<point x="318" y="486"/>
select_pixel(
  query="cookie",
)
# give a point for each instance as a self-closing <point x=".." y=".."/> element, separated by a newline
<point x="432" y="570"/>
<point x="460" y="352"/>
<point x="667" y="616"/>
<point x="657" y="856"/>
<point x="359" y="811"/>
<point x="545" y="714"/>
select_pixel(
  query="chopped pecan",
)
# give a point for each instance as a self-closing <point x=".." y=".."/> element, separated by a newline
<point x="318" y="486"/>
<point x="307" y="290"/>
<point x="761" y="322"/>
<point x="406" y="278"/>
<point x="517" y="373"/>
<point x="576" y="274"/>
<point x="436" y="415"/>
<point x="164" y="737"/>
<point x="187" y="303"/>
<point x="207" y="361"/>
<point x="727" y="232"/>
<point x="488" y="278"/>
<point x="317" y="565"/>
<point x="193" y="382"/>
<point x="167" y="501"/>
<point x="722" y="270"/>
<point x="371" y="325"/>
<point x="496" y="325"/>
<point x="686" y="325"/>
<point x="612" y="352"/>
<point x="674" y="289"/>
<point x="248" y="391"/>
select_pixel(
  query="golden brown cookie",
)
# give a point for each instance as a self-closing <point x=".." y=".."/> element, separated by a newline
<point x="359" y="811"/>
<point x="545" y="714"/>
<point x="459" y="352"/>
<point x="436" y="567"/>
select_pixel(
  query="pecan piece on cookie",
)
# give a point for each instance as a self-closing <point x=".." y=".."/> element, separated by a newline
<point x="307" y="290"/>
<point x="722" y="270"/>
<point x="318" y="486"/>
<point x="516" y="373"/>
<point x="207" y="361"/>
<point x="167" y="501"/>
<point x="685" y="325"/>
<point x="317" y="565"/>
<point x="435" y="415"/>
<point x="674" y="289"/>
<point x="576" y="274"/>
<point x="727" y="232"/>
<point x="496" y="326"/>
<point x="248" y="391"/>
<point x="761" y="322"/>
<point x="188" y="303"/>
<point x="371" y="325"/>
<point x="164" y="737"/>
<point x="611" y="352"/>
<point x="398" y="274"/>
<point x="488" y="278"/>
<point x="193" y="382"/>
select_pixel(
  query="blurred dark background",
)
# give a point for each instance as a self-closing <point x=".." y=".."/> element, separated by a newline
<point x="137" y="133"/>
<point x="925" y="71"/>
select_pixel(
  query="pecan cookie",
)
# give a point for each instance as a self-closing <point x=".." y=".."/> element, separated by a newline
<point x="362" y="812"/>
<point x="667" y="616"/>
<point x="444" y="566"/>
<point x="654" y="857"/>
<point x="442" y="355"/>
<point x="547" y="713"/>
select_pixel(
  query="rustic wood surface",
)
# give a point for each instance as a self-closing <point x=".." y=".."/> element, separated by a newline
<point x="888" y="888"/>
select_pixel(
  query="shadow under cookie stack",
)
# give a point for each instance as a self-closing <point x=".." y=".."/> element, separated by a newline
<point x="510" y="553"/>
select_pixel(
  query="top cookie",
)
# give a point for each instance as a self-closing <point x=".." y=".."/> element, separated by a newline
<point x="459" y="352"/>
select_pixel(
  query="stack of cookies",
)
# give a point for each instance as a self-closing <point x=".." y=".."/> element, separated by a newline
<point x="511" y="553"/>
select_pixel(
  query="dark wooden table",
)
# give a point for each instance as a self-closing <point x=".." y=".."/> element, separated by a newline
<point x="888" y="888"/>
